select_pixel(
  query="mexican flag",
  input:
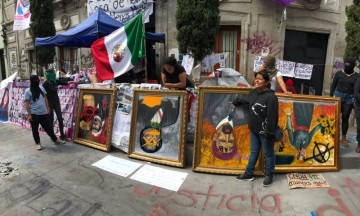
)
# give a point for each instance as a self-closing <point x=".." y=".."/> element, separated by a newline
<point x="118" y="52"/>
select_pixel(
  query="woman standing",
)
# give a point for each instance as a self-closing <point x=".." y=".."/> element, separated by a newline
<point x="263" y="120"/>
<point x="37" y="108"/>
<point x="174" y="76"/>
<point x="343" y="86"/>
<point x="275" y="75"/>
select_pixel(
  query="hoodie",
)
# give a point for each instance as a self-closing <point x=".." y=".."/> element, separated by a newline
<point x="263" y="115"/>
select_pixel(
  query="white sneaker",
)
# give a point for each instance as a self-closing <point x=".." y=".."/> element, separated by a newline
<point x="38" y="146"/>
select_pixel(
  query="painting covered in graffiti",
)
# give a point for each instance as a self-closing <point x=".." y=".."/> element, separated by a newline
<point x="95" y="114"/>
<point x="158" y="127"/>
<point x="311" y="134"/>
<point x="222" y="143"/>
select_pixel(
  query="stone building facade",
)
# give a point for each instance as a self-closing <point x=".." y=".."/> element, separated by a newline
<point x="312" y="32"/>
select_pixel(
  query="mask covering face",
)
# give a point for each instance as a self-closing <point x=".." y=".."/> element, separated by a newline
<point x="349" y="65"/>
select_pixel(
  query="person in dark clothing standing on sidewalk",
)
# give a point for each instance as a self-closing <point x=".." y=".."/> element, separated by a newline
<point x="343" y="86"/>
<point x="51" y="87"/>
<point x="263" y="120"/>
<point x="37" y="108"/>
<point x="357" y="113"/>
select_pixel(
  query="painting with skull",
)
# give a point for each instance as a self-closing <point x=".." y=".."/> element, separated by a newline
<point x="93" y="125"/>
<point x="222" y="143"/>
<point x="311" y="134"/>
<point x="158" y="126"/>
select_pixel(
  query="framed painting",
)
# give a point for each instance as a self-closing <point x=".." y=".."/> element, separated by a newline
<point x="158" y="126"/>
<point x="311" y="134"/>
<point x="222" y="137"/>
<point x="94" y="119"/>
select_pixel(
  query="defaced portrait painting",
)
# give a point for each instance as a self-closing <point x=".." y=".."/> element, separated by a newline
<point x="311" y="134"/>
<point x="222" y="143"/>
<point x="158" y="126"/>
<point x="93" y="126"/>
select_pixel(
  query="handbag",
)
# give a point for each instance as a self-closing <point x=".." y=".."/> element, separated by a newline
<point x="279" y="134"/>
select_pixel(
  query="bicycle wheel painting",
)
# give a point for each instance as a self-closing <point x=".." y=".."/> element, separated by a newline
<point x="158" y="127"/>
<point x="311" y="134"/>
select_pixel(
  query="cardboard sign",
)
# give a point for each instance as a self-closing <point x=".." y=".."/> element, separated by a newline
<point x="299" y="180"/>
<point x="303" y="71"/>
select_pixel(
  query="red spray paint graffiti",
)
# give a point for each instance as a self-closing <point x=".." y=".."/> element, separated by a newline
<point x="258" y="41"/>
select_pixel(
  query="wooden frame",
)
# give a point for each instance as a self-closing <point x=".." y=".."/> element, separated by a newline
<point x="158" y="126"/>
<point x="214" y="107"/>
<point x="311" y="134"/>
<point x="94" y="119"/>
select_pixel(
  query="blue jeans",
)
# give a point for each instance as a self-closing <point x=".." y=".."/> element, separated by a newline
<point x="256" y="141"/>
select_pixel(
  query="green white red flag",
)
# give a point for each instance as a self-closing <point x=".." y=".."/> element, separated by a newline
<point x="118" y="52"/>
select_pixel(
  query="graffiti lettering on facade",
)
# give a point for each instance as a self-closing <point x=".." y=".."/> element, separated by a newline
<point x="258" y="41"/>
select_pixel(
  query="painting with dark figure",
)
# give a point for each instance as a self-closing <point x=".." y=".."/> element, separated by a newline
<point x="93" y="126"/>
<point x="222" y="143"/>
<point x="311" y="132"/>
<point x="158" y="126"/>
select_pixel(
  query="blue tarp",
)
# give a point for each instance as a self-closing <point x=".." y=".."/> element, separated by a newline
<point x="98" y="25"/>
<point x="155" y="37"/>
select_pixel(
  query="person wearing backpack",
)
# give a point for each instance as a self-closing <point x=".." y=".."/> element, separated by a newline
<point x="37" y="108"/>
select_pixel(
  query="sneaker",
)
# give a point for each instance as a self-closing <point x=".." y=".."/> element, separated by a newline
<point x="267" y="181"/>
<point x="65" y="139"/>
<point x="245" y="177"/>
<point x="59" y="141"/>
<point x="38" y="146"/>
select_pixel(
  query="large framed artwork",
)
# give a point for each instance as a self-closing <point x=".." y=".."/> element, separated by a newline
<point x="94" y="119"/>
<point x="158" y="126"/>
<point x="222" y="137"/>
<point x="311" y="134"/>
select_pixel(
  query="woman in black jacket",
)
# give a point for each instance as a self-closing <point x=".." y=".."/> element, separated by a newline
<point x="263" y="120"/>
<point x="343" y="86"/>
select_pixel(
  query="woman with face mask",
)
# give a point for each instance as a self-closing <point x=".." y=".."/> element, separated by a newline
<point x="276" y="79"/>
<point x="37" y="108"/>
<point x="343" y="86"/>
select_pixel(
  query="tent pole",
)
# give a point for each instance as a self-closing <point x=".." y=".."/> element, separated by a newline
<point x="146" y="69"/>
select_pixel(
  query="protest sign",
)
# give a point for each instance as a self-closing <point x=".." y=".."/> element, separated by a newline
<point x="67" y="96"/>
<point x="303" y="71"/>
<point x="299" y="180"/>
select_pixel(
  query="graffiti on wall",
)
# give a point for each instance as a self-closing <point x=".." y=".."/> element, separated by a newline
<point x="256" y="42"/>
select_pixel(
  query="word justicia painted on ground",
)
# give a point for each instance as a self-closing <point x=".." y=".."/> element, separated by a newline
<point x="191" y="199"/>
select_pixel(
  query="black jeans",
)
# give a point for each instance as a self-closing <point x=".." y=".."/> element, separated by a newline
<point x="57" y="108"/>
<point x="44" y="121"/>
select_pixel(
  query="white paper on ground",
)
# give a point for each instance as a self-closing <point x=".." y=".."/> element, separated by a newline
<point x="117" y="166"/>
<point x="168" y="179"/>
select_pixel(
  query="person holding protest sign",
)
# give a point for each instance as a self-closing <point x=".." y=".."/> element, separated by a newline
<point x="274" y="74"/>
<point x="38" y="110"/>
<point x="174" y="76"/>
<point x="263" y="121"/>
<point x="51" y="87"/>
<point x="343" y="86"/>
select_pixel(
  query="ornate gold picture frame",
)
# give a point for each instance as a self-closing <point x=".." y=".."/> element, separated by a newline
<point x="158" y="126"/>
<point x="94" y="119"/>
<point x="311" y="128"/>
<point x="218" y="118"/>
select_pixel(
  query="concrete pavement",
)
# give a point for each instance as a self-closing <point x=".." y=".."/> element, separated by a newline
<point x="59" y="180"/>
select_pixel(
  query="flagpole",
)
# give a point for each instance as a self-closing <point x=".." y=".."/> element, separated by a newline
<point x="143" y="24"/>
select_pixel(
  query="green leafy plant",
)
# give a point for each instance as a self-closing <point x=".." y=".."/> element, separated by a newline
<point x="352" y="27"/>
<point x="42" y="25"/>
<point x="197" y="22"/>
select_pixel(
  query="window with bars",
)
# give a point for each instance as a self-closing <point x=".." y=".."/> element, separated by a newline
<point x="66" y="59"/>
<point x="229" y="41"/>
